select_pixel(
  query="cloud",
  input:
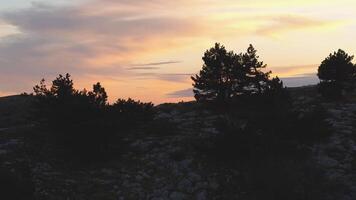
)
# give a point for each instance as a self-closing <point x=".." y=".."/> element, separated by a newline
<point x="179" y="78"/>
<point x="148" y="66"/>
<point x="87" y="41"/>
<point x="54" y="39"/>
<point x="181" y="93"/>
<point x="158" y="63"/>
<point x="142" y="68"/>
<point x="278" y="24"/>
<point x="298" y="70"/>
<point x="103" y="36"/>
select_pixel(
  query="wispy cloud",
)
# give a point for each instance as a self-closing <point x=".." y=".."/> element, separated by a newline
<point x="297" y="70"/>
<point x="158" y="63"/>
<point x="283" y="23"/>
<point x="180" y="78"/>
<point x="142" y="68"/>
<point x="149" y="66"/>
<point x="181" y="93"/>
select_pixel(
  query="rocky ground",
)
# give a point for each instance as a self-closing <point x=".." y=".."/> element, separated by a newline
<point x="158" y="167"/>
<point x="338" y="154"/>
<point x="167" y="166"/>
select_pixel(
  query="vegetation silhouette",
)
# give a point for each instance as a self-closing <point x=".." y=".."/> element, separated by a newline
<point x="260" y="127"/>
<point x="337" y="75"/>
<point x="84" y="121"/>
<point x="226" y="75"/>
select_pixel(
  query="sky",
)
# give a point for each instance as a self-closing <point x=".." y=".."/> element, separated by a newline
<point x="148" y="49"/>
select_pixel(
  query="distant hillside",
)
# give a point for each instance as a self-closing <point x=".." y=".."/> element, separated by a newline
<point x="14" y="110"/>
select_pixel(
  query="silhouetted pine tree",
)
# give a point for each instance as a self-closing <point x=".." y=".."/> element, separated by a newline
<point x="256" y="79"/>
<point x="62" y="86"/>
<point x="98" y="95"/>
<point x="219" y="78"/>
<point x="337" y="74"/>
<point x="226" y="75"/>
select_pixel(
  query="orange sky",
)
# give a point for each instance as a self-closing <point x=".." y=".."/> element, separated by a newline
<point x="148" y="49"/>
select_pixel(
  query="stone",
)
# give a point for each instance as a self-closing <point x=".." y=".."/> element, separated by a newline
<point x="194" y="177"/>
<point x="202" y="185"/>
<point x="139" y="177"/>
<point x="3" y="152"/>
<point x="213" y="185"/>
<point x="201" y="195"/>
<point x="184" y="185"/>
<point x="185" y="163"/>
<point x="108" y="172"/>
<point x="177" y="196"/>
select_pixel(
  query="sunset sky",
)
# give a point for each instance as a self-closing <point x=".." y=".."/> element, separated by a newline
<point x="147" y="50"/>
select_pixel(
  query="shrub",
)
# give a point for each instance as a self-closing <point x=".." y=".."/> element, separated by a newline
<point x="271" y="152"/>
<point x="76" y="119"/>
<point x="161" y="127"/>
<point x="226" y="75"/>
<point x="308" y="125"/>
<point x="330" y="90"/>
<point x="269" y="132"/>
<point x="83" y="121"/>
<point x="132" y="112"/>
<point x="132" y="107"/>
<point x="337" y="74"/>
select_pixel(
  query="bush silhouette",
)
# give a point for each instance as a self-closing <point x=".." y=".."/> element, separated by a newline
<point x="337" y="74"/>
<point x="226" y="75"/>
<point x="76" y="118"/>
<point x="83" y="121"/>
<point x="131" y="112"/>
<point x="248" y="133"/>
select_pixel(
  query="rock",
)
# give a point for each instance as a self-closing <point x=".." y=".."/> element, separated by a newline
<point x="139" y="177"/>
<point x="201" y="195"/>
<point x="3" y="152"/>
<point x="190" y="114"/>
<point x="163" y="115"/>
<point x="202" y="185"/>
<point x="185" y="163"/>
<point x="177" y="196"/>
<point x="213" y="185"/>
<point x="185" y="185"/>
<point x="108" y="172"/>
<point x="157" y="198"/>
<point x="329" y="162"/>
<point x="194" y="177"/>
<point x="144" y="175"/>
